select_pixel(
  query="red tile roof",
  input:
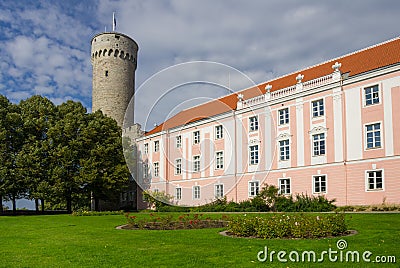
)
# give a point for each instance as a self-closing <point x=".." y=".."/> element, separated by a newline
<point x="361" y="61"/>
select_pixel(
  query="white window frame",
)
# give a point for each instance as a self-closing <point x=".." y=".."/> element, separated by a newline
<point x="196" y="163"/>
<point x="254" y="188"/>
<point x="219" y="190"/>
<point x="372" y="96"/>
<point x="219" y="160"/>
<point x="284" y="150"/>
<point x="146" y="148"/>
<point x="319" y="146"/>
<point x="178" y="166"/>
<point x="319" y="108"/>
<point x="196" y="192"/>
<point x="283" y="116"/>
<point x="287" y="182"/>
<point x="196" y="137"/>
<point x="253" y="123"/>
<point x="178" y="193"/>
<point x="178" y="141"/>
<point x="156" y="146"/>
<point x="156" y="166"/>
<point x="219" y="132"/>
<point x="374" y="137"/>
<point x="254" y="156"/>
<point x="314" y="182"/>
<point x="145" y="170"/>
<point x="367" y="184"/>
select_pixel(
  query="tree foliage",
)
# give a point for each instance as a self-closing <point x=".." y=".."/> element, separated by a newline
<point x="59" y="154"/>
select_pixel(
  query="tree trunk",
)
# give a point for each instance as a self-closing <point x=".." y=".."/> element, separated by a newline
<point x="37" y="205"/>
<point x="14" y="204"/>
<point x="42" y="203"/>
<point x="69" y="203"/>
<point x="1" y="204"/>
<point x="96" y="204"/>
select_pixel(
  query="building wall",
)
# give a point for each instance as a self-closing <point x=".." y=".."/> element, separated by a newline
<point x="342" y="167"/>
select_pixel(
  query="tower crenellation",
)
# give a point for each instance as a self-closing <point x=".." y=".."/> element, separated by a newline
<point x="114" y="61"/>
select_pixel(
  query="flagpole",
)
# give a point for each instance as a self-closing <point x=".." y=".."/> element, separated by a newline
<point x="114" y="22"/>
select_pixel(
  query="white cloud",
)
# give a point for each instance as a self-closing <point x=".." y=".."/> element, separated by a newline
<point x="46" y="45"/>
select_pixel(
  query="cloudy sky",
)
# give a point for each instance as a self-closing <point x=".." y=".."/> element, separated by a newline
<point x="45" y="45"/>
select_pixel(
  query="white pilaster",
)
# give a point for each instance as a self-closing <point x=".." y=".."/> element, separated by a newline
<point x="299" y="132"/>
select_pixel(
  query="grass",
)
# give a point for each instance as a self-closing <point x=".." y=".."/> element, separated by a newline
<point x="68" y="241"/>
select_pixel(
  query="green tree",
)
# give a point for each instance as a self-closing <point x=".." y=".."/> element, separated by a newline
<point x="38" y="114"/>
<point x="104" y="172"/>
<point x="12" y="185"/>
<point x="67" y="149"/>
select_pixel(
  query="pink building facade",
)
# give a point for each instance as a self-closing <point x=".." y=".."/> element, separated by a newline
<point x="332" y="129"/>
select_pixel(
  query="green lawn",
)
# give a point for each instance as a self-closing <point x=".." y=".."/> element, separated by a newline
<point x="93" y="241"/>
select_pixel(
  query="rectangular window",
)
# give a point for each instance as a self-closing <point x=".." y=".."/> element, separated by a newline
<point x="319" y="144"/>
<point x="284" y="186"/>
<point x="284" y="150"/>
<point x="283" y="116"/>
<point x="196" y="137"/>
<point x="146" y="148"/>
<point x="318" y="108"/>
<point x="145" y="170"/>
<point x="156" y="169"/>
<point x="253" y="123"/>
<point x="178" y="193"/>
<point x="254" y="188"/>
<point x="196" y="163"/>
<point x="373" y="135"/>
<point x="196" y="192"/>
<point x="319" y="184"/>
<point x="156" y="146"/>
<point x="371" y="95"/>
<point x="178" y="166"/>
<point x="219" y="190"/>
<point x="219" y="160"/>
<point x="219" y="132"/>
<point x="374" y="180"/>
<point x="253" y="154"/>
<point x="178" y="141"/>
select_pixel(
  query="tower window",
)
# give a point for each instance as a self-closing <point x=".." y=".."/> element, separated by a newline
<point x="106" y="73"/>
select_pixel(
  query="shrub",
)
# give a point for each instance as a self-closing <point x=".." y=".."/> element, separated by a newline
<point x="268" y="199"/>
<point x="82" y="212"/>
<point x="289" y="226"/>
<point x="167" y="222"/>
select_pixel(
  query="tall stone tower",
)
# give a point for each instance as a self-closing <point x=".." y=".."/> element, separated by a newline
<point x="114" y="61"/>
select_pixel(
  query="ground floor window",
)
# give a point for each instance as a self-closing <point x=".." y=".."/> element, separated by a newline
<point x="178" y="193"/>
<point x="374" y="180"/>
<point x="319" y="184"/>
<point x="219" y="190"/>
<point x="196" y="192"/>
<point x="284" y="186"/>
<point x="254" y="188"/>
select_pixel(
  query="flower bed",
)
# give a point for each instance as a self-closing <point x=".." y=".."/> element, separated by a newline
<point x="288" y="226"/>
<point x="185" y="221"/>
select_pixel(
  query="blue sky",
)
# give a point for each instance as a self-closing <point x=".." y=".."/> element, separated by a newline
<point x="45" y="45"/>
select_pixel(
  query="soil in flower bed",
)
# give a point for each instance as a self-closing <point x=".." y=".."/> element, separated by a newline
<point x="176" y="225"/>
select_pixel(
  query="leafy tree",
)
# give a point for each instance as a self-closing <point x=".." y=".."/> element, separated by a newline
<point x="38" y="115"/>
<point x="12" y="185"/>
<point x="104" y="172"/>
<point x="68" y="148"/>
